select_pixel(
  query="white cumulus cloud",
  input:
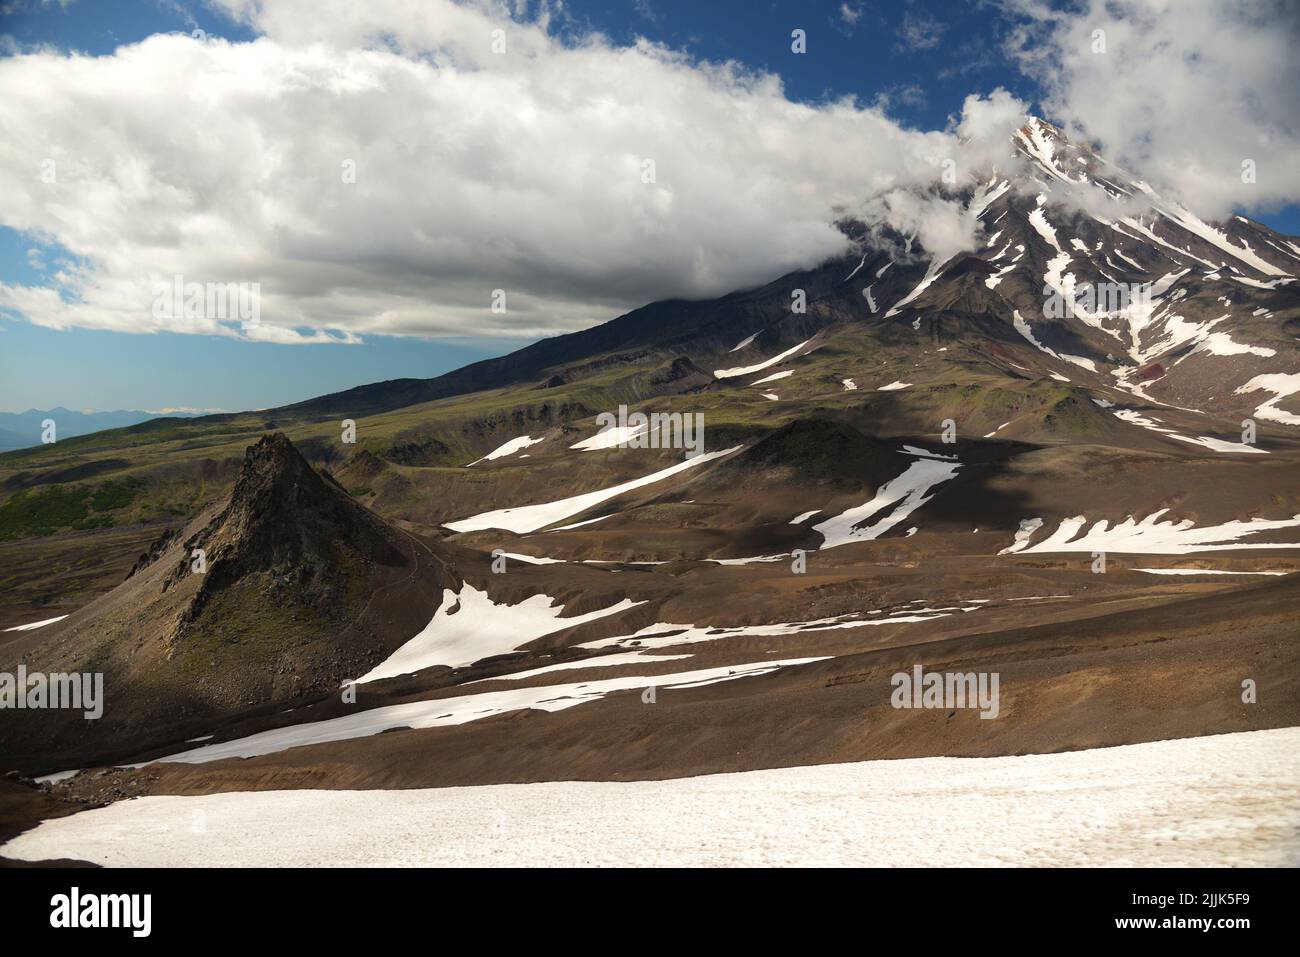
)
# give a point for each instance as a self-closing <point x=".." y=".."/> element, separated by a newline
<point x="580" y="177"/>
<point x="1181" y="92"/>
<point x="495" y="149"/>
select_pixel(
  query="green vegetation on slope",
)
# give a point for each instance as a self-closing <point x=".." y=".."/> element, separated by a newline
<point x="46" y="510"/>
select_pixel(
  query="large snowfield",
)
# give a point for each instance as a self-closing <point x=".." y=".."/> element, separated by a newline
<point x="1223" y="800"/>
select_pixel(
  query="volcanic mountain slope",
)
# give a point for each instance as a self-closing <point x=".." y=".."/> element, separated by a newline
<point x="933" y="465"/>
<point x="1209" y="317"/>
<point x="1151" y="298"/>
<point x="1096" y="314"/>
<point x="1092" y="310"/>
<point x="946" y="453"/>
<point x="277" y="595"/>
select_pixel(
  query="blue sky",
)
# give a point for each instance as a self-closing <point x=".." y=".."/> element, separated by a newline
<point x="921" y="58"/>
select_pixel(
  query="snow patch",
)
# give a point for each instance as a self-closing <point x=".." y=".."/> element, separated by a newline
<point x="1023" y="534"/>
<point x="931" y="274"/>
<point x="1209" y="442"/>
<point x="461" y="709"/>
<point x="469" y="626"/>
<point x="1199" y="571"/>
<point x="1154" y="537"/>
<point x="32" y="626"/>
<point x="529" y="518"/>
<point x="893" y="502"/>
<point x="1282" y="385"/>
<point x="745" y="370"/>
<point x="509" y="448"/>
<point x="610" y="438"/>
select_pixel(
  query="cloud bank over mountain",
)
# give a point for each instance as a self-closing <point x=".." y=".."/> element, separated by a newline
<point x="387" y="167"/>
<point x="1181" y="92"/>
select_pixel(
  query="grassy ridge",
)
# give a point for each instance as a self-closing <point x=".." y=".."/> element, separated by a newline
<point x="181" y="465"/>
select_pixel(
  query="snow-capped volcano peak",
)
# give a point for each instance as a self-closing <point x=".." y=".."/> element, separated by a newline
<point x="1045" y="145"/>
<point x="1113" y="283"/>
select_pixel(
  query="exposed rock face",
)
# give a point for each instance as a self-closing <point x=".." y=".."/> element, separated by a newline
<point x="290" y="526"/>
<point x="157" y="549"/>
<point x="365" y="464"/>
<point x="682" y="374"/>
<point x="426" y="453"/>
<point x="273" y="597"/>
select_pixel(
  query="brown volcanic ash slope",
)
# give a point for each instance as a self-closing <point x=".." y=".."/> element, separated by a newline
<point x="1164" y="671"/>
<point x="303" y="588"/>
<point x="1070" y="432"/>
<point x="895" y="343"/>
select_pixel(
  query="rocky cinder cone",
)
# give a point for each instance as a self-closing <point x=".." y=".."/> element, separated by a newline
<point x="301" y="589"/>
<point x="289" y="525"/>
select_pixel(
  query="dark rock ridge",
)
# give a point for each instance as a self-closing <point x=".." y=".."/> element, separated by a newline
<point x="301" y="588"/>
<point x="286" y="522"/>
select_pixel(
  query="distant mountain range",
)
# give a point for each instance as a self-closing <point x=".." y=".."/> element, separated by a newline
<point x="19" y="430"/>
